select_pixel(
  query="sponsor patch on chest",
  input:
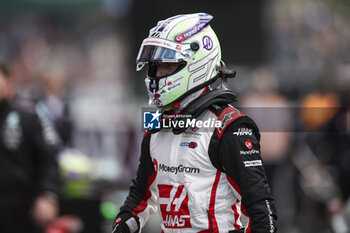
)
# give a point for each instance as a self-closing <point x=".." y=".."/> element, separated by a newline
<point x="191" y="145"/>
<point x="173" y="202"/>
<point x="178" y="169"/>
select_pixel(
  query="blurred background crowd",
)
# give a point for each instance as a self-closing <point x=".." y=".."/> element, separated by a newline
<point x="292" y="59"/>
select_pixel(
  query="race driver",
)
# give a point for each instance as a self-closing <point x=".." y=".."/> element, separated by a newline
<point x="200" y="178"/>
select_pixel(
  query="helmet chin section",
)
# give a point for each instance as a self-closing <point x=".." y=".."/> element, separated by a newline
<point x="155" y="102"/>
<point x="158" y="103"/>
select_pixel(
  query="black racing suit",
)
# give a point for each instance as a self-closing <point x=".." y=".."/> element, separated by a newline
<point x="28" y="167"/>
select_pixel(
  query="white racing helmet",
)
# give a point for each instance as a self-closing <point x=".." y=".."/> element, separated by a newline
<point x="184" y="39"/>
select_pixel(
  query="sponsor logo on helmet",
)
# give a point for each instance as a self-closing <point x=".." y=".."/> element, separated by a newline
<point x="192" y="31"/>
<point x="173" y="86"/>
<point x="207" y="43"/>
<point x="160" y="43"/>
<point x="179" y="38"/>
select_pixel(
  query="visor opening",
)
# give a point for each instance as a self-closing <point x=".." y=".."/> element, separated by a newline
<point x="152" y="69"/>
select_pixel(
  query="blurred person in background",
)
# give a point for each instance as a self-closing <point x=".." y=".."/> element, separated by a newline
<point x="53" y="97"/>
<point x="209" y="180"/>
<point x="272" y="111"/>
<point x="329" y="142"/>
<point x="29" y="176"/>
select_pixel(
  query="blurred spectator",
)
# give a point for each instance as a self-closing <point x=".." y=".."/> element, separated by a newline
<point x="53" y="97"/>
<point x="329" y="141"/>
<point x="319" y="199"/>
<point x="318" y="109"/>
<point x="272" y="111"/>
<point x="29" y="175"/>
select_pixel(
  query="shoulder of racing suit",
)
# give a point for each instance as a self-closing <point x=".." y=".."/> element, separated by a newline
<point x="232" y="120"/>
<point x="235" y="149"/>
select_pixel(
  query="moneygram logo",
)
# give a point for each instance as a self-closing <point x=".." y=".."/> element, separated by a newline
<point x="178" y="169"/>
<point x="249" y="152"/>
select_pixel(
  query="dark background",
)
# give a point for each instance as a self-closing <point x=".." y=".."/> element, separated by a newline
<point x="238" y="24"/>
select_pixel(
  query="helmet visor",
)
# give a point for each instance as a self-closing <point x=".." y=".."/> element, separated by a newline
<point x="160" y="50"/>
<point x="155" y="53"/>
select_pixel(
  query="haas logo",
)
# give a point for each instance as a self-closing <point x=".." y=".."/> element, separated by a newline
<point x="173" y="201"/>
